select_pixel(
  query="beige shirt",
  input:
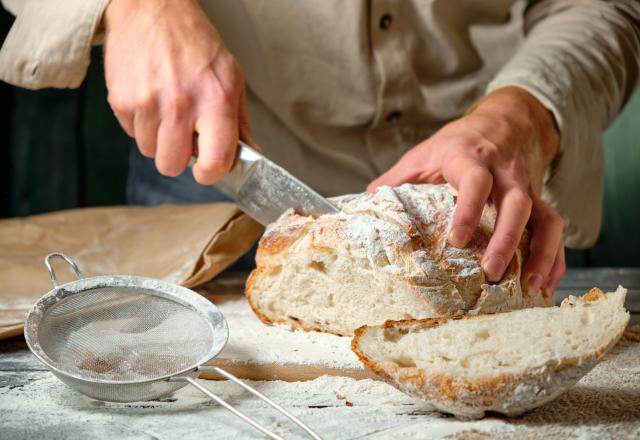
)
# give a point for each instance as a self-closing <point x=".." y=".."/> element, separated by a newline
<point x="339" y="90"/>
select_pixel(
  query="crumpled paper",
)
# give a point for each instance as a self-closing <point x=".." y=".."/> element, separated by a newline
<point x="184" y="244"/>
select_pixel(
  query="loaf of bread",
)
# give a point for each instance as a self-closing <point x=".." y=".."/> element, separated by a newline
<point x="506" y="362"/>
<point x="384" y="257"/>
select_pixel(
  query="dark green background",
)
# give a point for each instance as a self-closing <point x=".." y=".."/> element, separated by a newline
<point x="64" y="149"/>
<point x="67" y="149"/>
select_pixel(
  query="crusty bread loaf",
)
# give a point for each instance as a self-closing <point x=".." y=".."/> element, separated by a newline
<point x="385" y="256"/>
<point x="507" y="362"/>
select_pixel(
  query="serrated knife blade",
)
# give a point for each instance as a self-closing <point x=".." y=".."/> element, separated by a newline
<point x="264" y="190"/>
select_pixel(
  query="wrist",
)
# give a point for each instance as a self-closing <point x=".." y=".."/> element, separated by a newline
<point x="517" y="111"/>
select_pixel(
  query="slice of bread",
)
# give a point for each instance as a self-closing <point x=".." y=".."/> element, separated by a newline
<point x="507" y="362"/>
<point x="385" y="256"/>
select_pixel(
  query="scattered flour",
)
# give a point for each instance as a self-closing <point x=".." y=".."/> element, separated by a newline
<point x="251" y="341"/>
<point x="605" y="404"/>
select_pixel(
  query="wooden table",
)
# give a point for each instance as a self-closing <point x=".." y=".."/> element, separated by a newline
<point x="34" y="404"/>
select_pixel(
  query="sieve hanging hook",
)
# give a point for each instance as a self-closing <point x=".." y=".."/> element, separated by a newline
<point x="52" y="273"/>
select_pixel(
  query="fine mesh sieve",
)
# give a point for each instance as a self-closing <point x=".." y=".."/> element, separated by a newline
<point x="125" y="338"/>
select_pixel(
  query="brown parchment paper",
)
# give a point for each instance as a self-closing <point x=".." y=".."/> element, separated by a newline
<point x="184" y="244"/>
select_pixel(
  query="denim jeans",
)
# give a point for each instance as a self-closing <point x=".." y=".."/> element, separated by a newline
<point x="145" y="186"/>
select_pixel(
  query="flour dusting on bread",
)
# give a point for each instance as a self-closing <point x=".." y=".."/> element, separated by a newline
<point x="384" y="256"/>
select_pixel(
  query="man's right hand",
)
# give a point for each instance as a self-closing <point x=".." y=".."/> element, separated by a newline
<point x="169" y="78"/>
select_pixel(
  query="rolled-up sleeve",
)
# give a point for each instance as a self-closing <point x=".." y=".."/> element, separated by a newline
<point x="580" y="59"/>
<point x="50" y="42"/>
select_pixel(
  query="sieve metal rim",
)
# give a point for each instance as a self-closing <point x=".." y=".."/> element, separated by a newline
<point x="181" y="295"/>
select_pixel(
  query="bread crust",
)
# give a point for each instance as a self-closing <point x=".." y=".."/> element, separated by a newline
<point x="409" y="225"/>
<point x="508" y="394"/>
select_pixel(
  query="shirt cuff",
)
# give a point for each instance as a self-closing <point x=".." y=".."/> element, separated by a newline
<point x="58" y="53"/>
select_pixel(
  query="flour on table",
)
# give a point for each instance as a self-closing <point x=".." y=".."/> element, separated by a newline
<point x="251" y="341"/>
<point x="604" y="404"/>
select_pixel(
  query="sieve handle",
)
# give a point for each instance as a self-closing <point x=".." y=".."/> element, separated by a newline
<point x="238" y="413"/>
<point x="52" y="273"/>
<point x="252" y="390"/>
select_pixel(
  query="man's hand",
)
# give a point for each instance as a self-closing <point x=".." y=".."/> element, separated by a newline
<point x="169" y="78"/>
<point x="500" y="149"/>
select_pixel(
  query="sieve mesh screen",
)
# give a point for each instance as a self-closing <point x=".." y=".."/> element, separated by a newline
<point x="123" y="334"/>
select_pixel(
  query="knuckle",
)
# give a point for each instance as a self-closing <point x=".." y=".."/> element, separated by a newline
<point x="470" y="210"/>
<point x="224" y="96"/>
<point x="177" y="102"/>
<point x="221" y="95"/>
<point x="207" y="172"/>
<point x="146" y="152"/>
<point x="521" y="199"/>
<point x="485" y="151"/>
<point x="146" y="148"/>
<point x="226" y="87"/>
<point x="480" y="177"/>
<point x="118" y="102"/>
<point x="220" y="164"/>
<point x="145" y="101"/>
<point x="201" y="178"/>
<point x="549" y="216"/>
<point x="508" y="241"/>
<point x="230" y="64"/>
<point x="168" y="169"/>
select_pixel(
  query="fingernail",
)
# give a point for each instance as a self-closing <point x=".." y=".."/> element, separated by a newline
<point x="493" y="266"/>
<point x="459" y="235"/>
<point x="534" y="283"/>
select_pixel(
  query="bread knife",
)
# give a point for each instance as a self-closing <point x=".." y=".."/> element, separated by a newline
<point x="264" y="190"/>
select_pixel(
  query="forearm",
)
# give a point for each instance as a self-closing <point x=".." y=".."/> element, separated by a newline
<point x="578" y="55"/>
<point x="580" y="59"/>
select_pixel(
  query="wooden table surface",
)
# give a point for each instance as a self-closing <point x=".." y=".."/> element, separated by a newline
<point x="34" y="404"/>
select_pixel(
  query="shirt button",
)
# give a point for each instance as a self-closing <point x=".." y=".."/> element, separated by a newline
<point x="393" y="116"/>
<point x="385" y="21"/>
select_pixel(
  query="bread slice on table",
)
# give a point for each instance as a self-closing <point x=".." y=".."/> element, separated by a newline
<point x="506" y="362"/>
<point x="385" y="256"/>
